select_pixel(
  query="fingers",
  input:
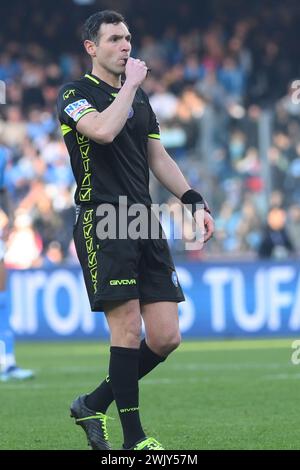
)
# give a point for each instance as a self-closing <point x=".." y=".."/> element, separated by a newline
<point x="136" y="71"/>
<point x="209" y="226"/>
<point x="140" y="61"/>
<point x="143" y="63"/>
<point x="205" y="220"/>
<point x="136" y="61"/>
<point x="209" y="231"/>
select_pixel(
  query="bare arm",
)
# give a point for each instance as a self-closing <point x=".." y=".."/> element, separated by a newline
<point x="171" y="177"/>
<point x="165" y="169"/>
<point x="105" y="126"/>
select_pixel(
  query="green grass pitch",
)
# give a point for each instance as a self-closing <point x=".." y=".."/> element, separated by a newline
<point x="207" y="395"/>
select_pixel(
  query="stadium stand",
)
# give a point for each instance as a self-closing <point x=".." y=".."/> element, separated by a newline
<point x="212" y="81"/>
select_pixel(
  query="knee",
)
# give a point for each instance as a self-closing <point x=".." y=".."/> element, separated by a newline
<point x="163" y="345"/>
<point x="171" y="343"/>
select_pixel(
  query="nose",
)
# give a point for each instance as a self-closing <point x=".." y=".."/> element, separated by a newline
<point x="126" y="46"/>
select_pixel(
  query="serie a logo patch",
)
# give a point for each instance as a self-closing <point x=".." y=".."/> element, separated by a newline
<point x="75" y="109"/>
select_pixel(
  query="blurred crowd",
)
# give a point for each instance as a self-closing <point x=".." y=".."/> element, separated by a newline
<point x="211" y="85"/>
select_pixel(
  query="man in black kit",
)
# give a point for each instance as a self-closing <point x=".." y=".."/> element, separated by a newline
<point x="113" y="138"/>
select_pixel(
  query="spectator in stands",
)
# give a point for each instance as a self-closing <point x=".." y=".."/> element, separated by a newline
<point x="239" y="64"/>
<point x="275" y="239"/>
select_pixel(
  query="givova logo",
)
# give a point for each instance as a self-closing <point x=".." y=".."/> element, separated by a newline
<point x="122" y="282"/>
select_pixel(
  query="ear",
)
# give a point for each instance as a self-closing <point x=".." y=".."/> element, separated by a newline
<point x="90" y="47"/>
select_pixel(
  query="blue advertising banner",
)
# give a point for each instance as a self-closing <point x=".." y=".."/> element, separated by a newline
<point x="241" y="299"/>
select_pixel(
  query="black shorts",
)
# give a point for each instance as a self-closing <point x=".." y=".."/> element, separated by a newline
<point x="123" y="269"/>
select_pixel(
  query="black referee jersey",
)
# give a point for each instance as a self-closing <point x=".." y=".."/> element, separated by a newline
<point x="103" y="172"/>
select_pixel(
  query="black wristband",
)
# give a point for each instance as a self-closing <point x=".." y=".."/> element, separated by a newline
<point x="193" y="197"/>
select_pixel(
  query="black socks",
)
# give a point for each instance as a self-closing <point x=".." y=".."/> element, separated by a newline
<point x="127" y="365"/>
<point x="123" y="373"/>
<point x="102" y="397"/>
<point x="148" y="359"/>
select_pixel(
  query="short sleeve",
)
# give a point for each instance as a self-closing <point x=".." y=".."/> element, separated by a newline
<point x="72" y="105"/>
<point x="154" y="130"/>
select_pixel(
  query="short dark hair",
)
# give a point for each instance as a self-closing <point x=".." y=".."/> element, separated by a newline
<point x="92" y="25"/>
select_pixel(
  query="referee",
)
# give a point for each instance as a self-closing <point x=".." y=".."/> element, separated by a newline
<point x="112" y="136"/>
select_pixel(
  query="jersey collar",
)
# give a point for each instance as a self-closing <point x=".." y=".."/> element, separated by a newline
<point x="95" y="81"/>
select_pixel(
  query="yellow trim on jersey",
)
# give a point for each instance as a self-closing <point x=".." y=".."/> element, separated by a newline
<point x="85" y="112"/>
<point x="92" y="78"/>
<point x="154" y="136"/>
<point x="65" y="129"/>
